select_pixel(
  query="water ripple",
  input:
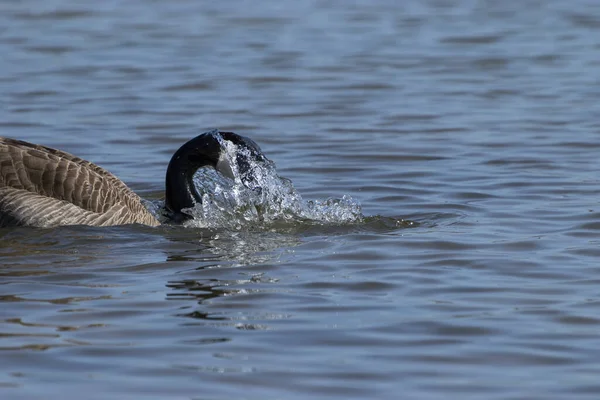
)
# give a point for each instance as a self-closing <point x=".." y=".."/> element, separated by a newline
<point x="466" y="131"/>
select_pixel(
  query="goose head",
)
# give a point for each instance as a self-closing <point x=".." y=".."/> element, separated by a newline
<point x="205" y="150"/>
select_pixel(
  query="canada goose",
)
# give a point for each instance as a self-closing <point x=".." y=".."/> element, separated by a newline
<point x="45" y="187"/>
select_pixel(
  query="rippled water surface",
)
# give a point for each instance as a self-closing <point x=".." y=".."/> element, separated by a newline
<point x="468" y="131"/>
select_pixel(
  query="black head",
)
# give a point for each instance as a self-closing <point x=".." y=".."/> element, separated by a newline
<point x="248" y="151"/>
<point x="204" y="150"/>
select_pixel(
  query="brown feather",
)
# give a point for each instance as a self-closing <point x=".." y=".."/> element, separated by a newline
<point x="41" y="186"/>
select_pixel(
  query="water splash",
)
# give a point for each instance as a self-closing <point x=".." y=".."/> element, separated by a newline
<point x="259" y="196"/>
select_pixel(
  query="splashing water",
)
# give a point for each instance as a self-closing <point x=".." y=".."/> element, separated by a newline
<point x="260" y="196"/>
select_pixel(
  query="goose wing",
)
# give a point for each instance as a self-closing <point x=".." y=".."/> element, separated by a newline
<point x="41" y="186"/>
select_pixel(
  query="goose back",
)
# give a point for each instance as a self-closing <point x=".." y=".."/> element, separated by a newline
<point x="41" y="186"/>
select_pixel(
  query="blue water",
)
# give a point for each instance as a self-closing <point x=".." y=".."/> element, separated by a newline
<point x="467" y="130"/>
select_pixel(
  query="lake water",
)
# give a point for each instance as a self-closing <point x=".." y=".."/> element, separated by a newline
<point x="469" y="131"/>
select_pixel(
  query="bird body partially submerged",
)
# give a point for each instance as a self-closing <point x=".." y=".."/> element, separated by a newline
<point x="44" y="187"/>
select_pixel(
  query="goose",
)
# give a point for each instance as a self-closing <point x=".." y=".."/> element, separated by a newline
<point x="45" y="187"/>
